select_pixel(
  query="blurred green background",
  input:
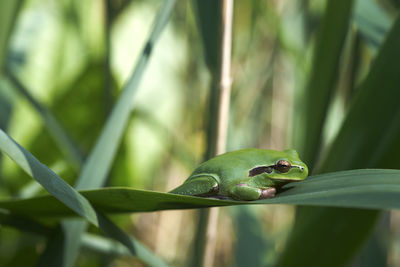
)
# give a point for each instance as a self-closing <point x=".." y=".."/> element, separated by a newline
<point x="73" y="57"/>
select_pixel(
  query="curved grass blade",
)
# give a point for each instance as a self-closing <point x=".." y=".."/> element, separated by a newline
<point x="368" y="188"/>
<point x="47" y="178"/>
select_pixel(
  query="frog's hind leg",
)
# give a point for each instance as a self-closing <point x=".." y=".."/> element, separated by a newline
<point x="200" y="185"/>
<point x="245" y="192"/>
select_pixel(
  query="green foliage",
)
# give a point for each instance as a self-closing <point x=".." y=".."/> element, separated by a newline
<point x="326" y="58"/>
<point x="368" y="138"/>
<point x="67" y="97"/>
<point x="48" y="179"/>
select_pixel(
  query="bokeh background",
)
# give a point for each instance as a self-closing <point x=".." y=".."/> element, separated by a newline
<point x="73" y="58"/>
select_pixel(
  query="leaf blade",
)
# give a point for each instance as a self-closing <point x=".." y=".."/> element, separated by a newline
<point x="356" y="188"/>
<point x="47" y="178"/>
<point x="329" y="44"/>
<point x="369" y="137"/>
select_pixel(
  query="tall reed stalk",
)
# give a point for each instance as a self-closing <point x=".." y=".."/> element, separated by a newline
<point x="218" y="128"/>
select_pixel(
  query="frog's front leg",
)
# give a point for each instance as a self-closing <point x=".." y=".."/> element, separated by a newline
<point x="245" y="192"/>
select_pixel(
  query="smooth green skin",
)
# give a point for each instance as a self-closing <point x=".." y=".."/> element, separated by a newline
<point x="227" y="175"/>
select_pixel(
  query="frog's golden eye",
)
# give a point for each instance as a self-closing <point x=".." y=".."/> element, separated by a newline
<point x="283" y="166"/>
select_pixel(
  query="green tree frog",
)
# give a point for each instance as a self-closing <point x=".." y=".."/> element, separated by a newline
<point x="246" y="174"/>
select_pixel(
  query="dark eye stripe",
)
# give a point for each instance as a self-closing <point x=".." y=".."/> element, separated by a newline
<point x="259" y="170"/>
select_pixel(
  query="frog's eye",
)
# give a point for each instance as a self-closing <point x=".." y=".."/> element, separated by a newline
<point x="283" y="166"/>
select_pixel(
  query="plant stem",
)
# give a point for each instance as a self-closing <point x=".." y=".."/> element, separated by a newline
<point x="221" y="123"/>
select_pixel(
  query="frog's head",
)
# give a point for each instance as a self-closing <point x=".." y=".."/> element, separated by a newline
<point x="284" y="167"/>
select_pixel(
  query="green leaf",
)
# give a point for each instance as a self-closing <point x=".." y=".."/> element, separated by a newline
<point x="329" y="44"/>
<point x="369" y="138"/>
<point x="209" y="20"/>
<point x="47" y="178"/>
<point x="377" y="129"/>
<point x="370" y="189"/>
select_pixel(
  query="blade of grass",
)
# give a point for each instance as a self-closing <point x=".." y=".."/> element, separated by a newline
<point x="369" y="137"/>
<point x="325" y="67"/>
<point x="56" y="130"/>
<point x="107" y="246"/>
<point x="47" y="178"/>
<point x="376" y="132"/>
<point x="366" y="188"/>
<point x="98" y="164"/>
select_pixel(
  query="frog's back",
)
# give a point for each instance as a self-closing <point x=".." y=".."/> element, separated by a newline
<point x="234" y="164"/>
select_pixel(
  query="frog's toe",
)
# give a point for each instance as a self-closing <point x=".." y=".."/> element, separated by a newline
<point x="268" y="193"/>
